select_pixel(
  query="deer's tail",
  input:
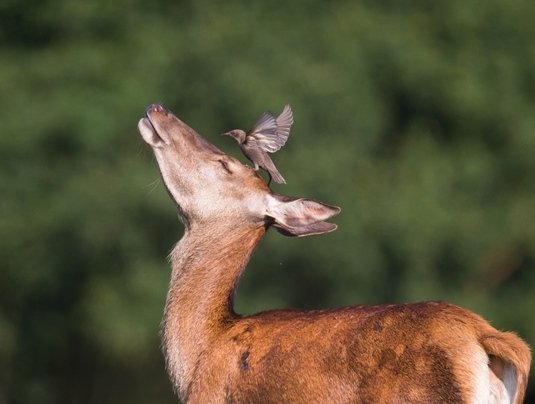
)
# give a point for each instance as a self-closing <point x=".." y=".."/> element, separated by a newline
<point x="509" y="362"/>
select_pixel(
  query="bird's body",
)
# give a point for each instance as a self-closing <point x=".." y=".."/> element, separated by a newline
<point x="268" y="135"/>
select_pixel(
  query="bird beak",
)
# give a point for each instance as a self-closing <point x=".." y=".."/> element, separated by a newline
<point x="225" y="134"/>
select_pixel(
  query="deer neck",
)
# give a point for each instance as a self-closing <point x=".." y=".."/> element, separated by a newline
<point x="206" y="265"/>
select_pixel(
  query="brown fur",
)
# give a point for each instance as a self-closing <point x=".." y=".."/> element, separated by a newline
<point x="430" y="352"/>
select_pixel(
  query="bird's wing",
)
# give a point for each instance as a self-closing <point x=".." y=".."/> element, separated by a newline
<point x="270" y="133"/>
<point x="284" y="123"/>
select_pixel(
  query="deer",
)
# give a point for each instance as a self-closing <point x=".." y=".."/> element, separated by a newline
<point x="425" y="352"/>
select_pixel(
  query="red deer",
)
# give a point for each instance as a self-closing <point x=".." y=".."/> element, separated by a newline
<point x="429" y="352"/>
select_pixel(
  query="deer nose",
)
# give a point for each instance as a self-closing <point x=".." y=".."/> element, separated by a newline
<point x="157" y="108"/>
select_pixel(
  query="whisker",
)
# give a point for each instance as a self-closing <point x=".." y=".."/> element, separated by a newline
<point x="154" y="184"/>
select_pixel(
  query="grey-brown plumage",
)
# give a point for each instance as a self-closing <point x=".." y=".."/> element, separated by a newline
<point x="268" y="135"/>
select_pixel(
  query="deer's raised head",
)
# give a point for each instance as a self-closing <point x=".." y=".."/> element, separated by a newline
<point x="210" y="186"/>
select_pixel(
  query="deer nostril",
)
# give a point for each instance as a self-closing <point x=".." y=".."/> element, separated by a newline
<point x="157" y="108"/>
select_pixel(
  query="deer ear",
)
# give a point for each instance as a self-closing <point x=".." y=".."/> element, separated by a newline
<point x="300" y="216"/>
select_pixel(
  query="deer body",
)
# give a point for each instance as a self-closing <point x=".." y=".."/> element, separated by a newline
<point x="430" y="352"/>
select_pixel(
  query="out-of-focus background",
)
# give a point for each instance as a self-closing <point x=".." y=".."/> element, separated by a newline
<point x="416" y="117"/>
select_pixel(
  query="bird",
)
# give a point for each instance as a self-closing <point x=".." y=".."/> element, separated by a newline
<point x="268" y="135"/>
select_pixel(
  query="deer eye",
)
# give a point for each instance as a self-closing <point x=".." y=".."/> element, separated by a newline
<point x="225" y="166"/>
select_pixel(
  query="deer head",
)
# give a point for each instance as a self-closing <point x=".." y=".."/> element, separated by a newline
<point x="208" y="186"/>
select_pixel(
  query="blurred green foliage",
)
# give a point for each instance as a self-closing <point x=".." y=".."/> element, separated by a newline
<point x="416" y="117"/>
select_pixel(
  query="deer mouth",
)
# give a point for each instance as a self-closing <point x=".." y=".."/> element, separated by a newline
<point x="148" y="126"/>
<point x="161" y="128"/>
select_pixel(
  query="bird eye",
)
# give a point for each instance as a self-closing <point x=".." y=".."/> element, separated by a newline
<point x="225" y="166"/>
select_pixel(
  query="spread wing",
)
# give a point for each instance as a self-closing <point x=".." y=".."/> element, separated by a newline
<point x="270" y="133"/>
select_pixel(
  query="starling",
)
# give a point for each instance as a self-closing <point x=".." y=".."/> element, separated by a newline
<point x="268" y="135"/>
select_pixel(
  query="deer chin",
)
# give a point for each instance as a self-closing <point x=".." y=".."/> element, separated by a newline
<point x="150" y="134"/>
